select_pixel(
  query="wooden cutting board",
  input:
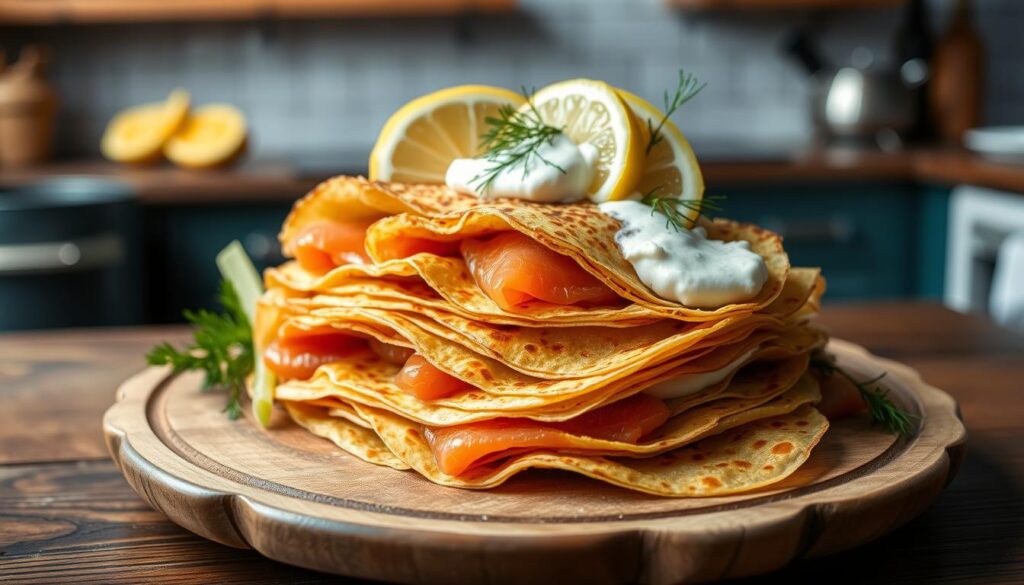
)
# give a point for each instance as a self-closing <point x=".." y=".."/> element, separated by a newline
<point x="298" y="499"/>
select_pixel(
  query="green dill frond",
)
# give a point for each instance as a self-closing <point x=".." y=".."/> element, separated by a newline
<point x="881" y="409"/>
<point x="676" y="210"/>
<point x="221" y="348"/>
<point x="687" y="88"/>
<point x="513" y="140"/>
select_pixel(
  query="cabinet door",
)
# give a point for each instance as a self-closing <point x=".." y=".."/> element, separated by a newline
<point x="182" y="244"/>
<point x="860" y="236"/>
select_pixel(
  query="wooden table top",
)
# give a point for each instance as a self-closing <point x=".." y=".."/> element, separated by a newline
<point x="67" y="515"/>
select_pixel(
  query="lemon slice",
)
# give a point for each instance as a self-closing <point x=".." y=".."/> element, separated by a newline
<point x="592" y="112"/>
<point x="212" y="135"/>
<point x="421" y="139"/>
<point x="137" y="134"/>
<point x="670" y="169"/>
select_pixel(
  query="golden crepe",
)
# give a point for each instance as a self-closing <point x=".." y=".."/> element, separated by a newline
<point x="763" y="445"/>
<point x="411" y="218"/>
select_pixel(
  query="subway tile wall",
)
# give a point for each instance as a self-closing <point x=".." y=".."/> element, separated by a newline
<point x="327" y="86"/>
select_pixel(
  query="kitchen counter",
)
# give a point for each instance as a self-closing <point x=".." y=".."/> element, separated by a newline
<point x="281" y="181"/>
<point x="67" y="514"/>
<point x="927" y="166"/>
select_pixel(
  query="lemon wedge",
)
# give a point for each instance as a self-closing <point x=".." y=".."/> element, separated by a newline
<point x="137" y="134"/>
<point x="592" y="112"/>
<point x="420" y="140"/>
<point x="670" y="169"/>
<point x="212" y="135"/>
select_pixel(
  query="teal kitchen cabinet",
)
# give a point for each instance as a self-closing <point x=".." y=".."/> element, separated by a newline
<point x="871" y="240"/>
<point x="181" y="244"/>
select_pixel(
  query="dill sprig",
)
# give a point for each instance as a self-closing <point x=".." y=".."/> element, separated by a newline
<point x="686" y="89"/>
<point x="221" y="348"/>
<point x="676" y="210"/>
<point x="882" y="410"/>
<point x="513" y="140"/>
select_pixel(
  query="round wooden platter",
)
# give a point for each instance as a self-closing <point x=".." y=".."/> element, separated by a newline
<point x="298" y="499"/>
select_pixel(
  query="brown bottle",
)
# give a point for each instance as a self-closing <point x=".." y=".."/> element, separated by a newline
<point x="28" y="111"/>
<point x="957" y="77"/>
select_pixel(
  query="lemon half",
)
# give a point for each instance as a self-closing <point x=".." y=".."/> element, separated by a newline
<point x="420" y="140"/>
<point x="212" y="135"/>
<point x="138" y="134"/>
<point x="592" y="112"/>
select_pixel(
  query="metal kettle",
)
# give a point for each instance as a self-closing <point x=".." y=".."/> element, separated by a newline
<point x="857" y="103"/>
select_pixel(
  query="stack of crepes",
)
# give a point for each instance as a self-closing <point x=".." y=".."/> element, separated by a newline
<point x="470" y="340"/>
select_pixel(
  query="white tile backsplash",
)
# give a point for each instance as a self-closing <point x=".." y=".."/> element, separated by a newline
<point x="330" y="84"/>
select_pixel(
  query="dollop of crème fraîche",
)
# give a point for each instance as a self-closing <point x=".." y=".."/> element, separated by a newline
<point x="559" y="171"/>
<point x="683" y="265"/>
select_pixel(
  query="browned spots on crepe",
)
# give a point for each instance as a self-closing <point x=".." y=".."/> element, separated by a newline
<point x="782" y="448"/>
<point x="711" y="482"/>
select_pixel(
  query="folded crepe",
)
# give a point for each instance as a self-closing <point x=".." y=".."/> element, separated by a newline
<point x="703" y="454"/>
<point x="613" y="383"/>
<point x="421" y="230"/>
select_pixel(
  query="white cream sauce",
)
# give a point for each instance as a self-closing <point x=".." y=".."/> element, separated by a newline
<point x="565" y="182"/>
<point x="693" y="383"/>
<point x="684" y="265"/>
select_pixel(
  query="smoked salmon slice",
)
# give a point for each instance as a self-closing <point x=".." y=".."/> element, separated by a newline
<point x="392" y="354"/>
<point x="405" y="246"/>
<point x="424" y="381"/>
<point x="840" y="397"/>
<point x="513" y="269"/>
<point x="298" y="357"/>
<point x="458" y="448"/>
<point x="325" y="245"/>
<point x="625" y="421"/>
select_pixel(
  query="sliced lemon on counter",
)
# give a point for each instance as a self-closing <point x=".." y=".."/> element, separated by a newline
<point x="592" y="112"/>
<point x="670" y="169"/>
<point x="138" y="134"/>
<point x="212" y="135"/>
<point x="421" y="139"/>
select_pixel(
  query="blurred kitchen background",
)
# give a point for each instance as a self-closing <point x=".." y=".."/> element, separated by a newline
<point x="849" y="126"/>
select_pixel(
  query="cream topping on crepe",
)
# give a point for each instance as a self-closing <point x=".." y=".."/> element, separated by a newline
<point x="559" y="171"/>
<point x="693" y="383"/>
<point x="683" y="265"/>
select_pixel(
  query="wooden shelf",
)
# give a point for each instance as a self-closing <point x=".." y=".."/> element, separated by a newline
<point x="279" y="180"/>
<point x="255" y="182"/>
<point x="50" y="12"/>
<point x="781" y="4"/>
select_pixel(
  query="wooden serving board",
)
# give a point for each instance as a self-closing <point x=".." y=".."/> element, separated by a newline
<point x="299" y="499"/>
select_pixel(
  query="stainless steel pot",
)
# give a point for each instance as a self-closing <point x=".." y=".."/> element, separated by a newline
<point x="69" y="254"/>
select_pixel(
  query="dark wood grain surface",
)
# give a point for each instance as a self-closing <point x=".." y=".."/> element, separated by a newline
<point x="67" y="515"/>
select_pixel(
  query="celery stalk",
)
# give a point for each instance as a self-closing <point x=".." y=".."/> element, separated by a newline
<point x="236" y="267"/>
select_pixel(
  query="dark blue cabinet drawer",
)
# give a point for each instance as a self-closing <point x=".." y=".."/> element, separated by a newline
<point x="859" y="235"/>
<point x="182" y="244"/>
